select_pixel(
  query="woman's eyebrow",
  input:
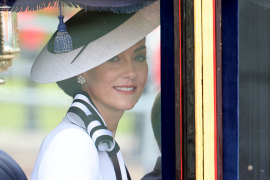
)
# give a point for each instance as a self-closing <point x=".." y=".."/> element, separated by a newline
<point x="140" y="48"/>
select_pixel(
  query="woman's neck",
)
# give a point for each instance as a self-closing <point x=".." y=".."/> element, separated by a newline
<point x="111" y="119"/>
<point x="110" y="115"/>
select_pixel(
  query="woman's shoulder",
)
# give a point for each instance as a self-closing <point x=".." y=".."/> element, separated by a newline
<point x="66" y="152"/>
<point x="67" y="134"/>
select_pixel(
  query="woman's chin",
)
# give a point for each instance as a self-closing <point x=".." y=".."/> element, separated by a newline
<point x="126" y="106"/>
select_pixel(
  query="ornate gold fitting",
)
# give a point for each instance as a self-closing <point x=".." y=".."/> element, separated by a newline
<point x="8" y="39"/>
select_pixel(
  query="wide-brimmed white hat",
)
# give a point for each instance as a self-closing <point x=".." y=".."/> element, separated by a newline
<point x="97" y="37"/>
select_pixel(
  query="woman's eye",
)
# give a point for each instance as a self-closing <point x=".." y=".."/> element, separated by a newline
<point x="115" y="58"/>
<point x="140" y="58"/>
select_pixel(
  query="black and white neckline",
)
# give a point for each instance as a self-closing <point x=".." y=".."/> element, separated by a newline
<point x="83" y="113"/>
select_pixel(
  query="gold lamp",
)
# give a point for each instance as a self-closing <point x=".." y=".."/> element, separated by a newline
<point x="8" y="39"/>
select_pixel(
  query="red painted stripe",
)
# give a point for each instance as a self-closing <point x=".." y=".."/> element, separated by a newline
<point x="215" y="85"/>
<point x="180" y="59"/>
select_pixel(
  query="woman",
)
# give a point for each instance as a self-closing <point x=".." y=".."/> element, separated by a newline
<point x="105" y="73"/>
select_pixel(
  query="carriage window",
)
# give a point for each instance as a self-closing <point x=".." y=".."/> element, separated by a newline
<point x="254" y="89"/>
<point x="29" y="111"/>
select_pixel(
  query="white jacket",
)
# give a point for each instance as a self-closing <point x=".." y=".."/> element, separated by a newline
<point x="69" y="153"/>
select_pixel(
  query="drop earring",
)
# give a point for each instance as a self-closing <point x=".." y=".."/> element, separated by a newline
<point x="81" y="80"/>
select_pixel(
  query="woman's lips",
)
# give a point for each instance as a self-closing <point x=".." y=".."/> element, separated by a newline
<point x="125" y="89"/>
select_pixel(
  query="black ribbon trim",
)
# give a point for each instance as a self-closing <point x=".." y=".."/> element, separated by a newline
<point x="103" y="138"/>
<point x="116" y="166"/>
<point x="115" y="149"/>
<point x="128" y="175"/>
<point x="95" y="129"/>
<point x="94" y="115"/>
<point x="80" y="113"/>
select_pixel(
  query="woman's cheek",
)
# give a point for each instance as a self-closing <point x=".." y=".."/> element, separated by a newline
<point x="144" y="78"/>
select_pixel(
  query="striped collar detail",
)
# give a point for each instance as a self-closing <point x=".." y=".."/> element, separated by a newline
<point x="83" y="113"/>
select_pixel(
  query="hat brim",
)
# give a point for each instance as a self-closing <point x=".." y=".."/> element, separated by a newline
<point x="50" y="67"/>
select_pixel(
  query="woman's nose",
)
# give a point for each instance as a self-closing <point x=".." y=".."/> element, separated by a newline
<point x="129" y="70"/>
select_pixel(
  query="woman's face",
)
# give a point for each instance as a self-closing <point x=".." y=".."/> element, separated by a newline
<point x="119" y="82"/>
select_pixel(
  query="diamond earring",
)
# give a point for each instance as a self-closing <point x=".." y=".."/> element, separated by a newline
<point x="81" y="80"/>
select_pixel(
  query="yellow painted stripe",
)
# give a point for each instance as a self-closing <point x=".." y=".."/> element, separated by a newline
<point x="198" y="89"/>
<point x="208" y="89"/>
<point x="204" y="89"/>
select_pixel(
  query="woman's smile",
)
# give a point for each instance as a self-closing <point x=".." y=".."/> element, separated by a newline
<point x="126" y="89"/>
